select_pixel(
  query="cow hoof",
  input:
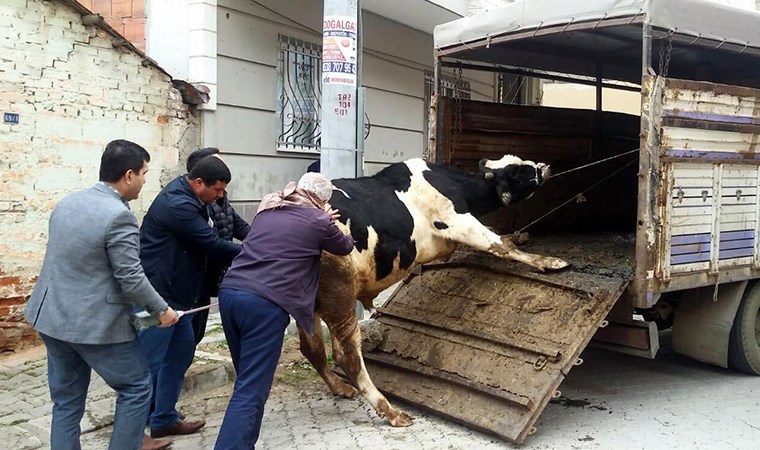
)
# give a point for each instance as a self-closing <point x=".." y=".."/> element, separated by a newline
<point x="556" y="264"/>
<point x="400" y="418"/>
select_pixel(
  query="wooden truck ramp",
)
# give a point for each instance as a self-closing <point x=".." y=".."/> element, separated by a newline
<point x="487" y="342"/>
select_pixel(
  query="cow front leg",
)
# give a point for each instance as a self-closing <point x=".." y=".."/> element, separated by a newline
<point x="466" y="229"/>
<point x="313" y="348"/>
<point x="508" y="250"/>
<point x="346" y="339"/>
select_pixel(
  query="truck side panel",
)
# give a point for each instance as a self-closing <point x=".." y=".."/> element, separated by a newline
<point x="706" y="205"/>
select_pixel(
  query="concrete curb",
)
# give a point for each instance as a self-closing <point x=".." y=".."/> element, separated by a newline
<point x="208" y="371"/>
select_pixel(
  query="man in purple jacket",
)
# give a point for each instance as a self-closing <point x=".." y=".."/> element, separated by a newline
<point x="276" y="273"/>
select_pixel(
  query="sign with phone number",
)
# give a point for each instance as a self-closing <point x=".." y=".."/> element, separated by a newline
<point x="339" y="52"/>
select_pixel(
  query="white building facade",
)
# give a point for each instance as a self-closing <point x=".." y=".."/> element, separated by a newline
<point x="261" y="61"/>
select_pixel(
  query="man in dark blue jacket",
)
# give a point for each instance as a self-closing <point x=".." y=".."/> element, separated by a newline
<point x="228" y="224"/>
<point x="176" y="241"/>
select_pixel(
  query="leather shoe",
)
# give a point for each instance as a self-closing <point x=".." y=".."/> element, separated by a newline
<point x="149" y="443"/>
<point x="178" y="427"/>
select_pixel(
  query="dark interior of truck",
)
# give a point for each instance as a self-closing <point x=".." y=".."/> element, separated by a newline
<point x="598" y="198"/>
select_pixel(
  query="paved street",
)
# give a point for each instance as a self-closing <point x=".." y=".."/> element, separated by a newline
<point x="621" y="402"/>
<point x="618" y="402"/>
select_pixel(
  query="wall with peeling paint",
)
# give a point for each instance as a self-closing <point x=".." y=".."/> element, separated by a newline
<point x="73" y="92"/>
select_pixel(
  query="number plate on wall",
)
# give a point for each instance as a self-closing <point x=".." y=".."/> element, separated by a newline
<point x="11" y="118"/>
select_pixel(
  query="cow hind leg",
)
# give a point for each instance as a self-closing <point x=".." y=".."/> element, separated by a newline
<point x="346" y="339"/>
<point x="313" y="348"/>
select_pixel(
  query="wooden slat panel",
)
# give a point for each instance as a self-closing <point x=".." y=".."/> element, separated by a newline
<point x="727" y="263"/>
<point x="691" y="199"/>
<point x="687" y="268"/>
<point x="728" y="211"/>
<point x="684" y="95"/>
<point x="692" y="170"/>
<point x="560" y="137"/>
<point x="555" y="135"/>
<point x="698" y="229"/>
<point x="725" y="218"/>
<point x="708" y="140"/>
<point x="738" y="172"/>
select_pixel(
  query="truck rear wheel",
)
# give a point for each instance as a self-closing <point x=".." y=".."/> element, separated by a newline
<point x="744" y="345"/>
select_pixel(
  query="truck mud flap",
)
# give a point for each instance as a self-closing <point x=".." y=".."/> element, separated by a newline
<point x="487" y="342"/>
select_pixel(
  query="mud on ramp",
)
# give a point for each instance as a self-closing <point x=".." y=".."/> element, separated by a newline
<point x="487" y="342"/>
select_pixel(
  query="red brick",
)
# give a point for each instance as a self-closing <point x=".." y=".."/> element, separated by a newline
<point x="16" y="336"/>
<point x="10" y="281"/>
<point x="116" y="24"/>
<point x="102" y="7"/>
<point x="7" y="314"/>
<point x="138" y="8"/>
<point x="8" y="301"/>
<point x="121" y="8"/>
<point x="134" y="30"/>
<point x="86" y="3"/>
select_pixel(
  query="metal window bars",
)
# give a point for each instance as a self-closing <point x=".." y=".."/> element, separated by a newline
<point x="299" y="88"/>
<point x="448" y="88"/>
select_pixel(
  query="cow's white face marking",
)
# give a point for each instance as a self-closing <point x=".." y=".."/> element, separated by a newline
<point x="507" y="160"/>
<point x="341" y="191"/>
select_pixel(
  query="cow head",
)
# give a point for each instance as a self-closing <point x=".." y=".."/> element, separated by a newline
<point x="513" y="178"/>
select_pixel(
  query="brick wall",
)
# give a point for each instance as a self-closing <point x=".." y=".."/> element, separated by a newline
<point x="74" y="92"/>
<point x="125" y="16"/>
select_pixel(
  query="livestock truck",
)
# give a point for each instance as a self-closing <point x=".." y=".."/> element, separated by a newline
<point x="657" y="212"/>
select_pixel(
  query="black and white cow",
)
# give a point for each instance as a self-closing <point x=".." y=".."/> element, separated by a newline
<point x="410" y="213"/>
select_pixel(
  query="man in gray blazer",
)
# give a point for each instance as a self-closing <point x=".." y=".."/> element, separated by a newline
<point x="91" y="279"/>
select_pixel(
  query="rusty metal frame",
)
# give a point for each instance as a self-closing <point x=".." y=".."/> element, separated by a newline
<point x="648" y="223"/>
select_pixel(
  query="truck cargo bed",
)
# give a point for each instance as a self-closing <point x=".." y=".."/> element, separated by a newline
<point x="487" y="342"/>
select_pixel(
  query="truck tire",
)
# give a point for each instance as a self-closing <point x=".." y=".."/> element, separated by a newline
<point x="744" y="344"/>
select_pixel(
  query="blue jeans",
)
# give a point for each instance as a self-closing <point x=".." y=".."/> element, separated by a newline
<point x="254" y="328"/>
<point x="169" y="352"/>
<point x="122" y="366"/>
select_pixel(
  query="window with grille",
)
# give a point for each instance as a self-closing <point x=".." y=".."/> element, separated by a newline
<point x="448" y="89"/>
<point x="299" y="89"/>
<point x="448" y="86"/>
